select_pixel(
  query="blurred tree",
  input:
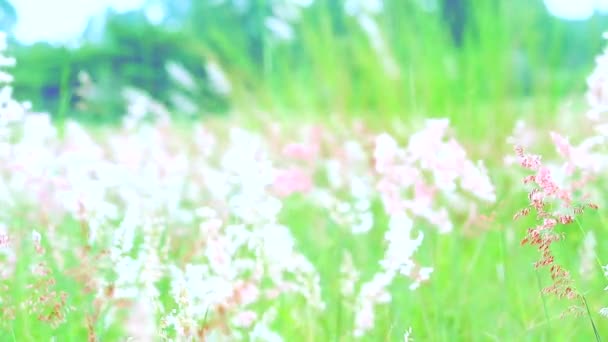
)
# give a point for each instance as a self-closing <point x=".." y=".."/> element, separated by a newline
<point x="127" y="49"/>
<point x="120" y="49"/>
<point x="8" y="16"/>
<point x="455" y="14"/>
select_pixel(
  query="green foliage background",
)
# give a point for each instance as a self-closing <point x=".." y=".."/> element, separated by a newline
<point x="481" y="62"/>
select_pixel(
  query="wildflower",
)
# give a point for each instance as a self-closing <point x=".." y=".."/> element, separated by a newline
<point x="385" y="152"/>
<point x="372" y="30"/>
<point x="401" y="245"/>
<point x="245" y="319"/>
<point x="372" y="293"/>
<point x="37" y="240"/>
<point x="4" y="237"/>
<point x="543" y="235"/>
<point x="141" y="324"/>
<point x="180" y="75"/>
<point x="587" y="255"/>
<point x="528" y="161"/>
<point x="261" y="330"/>
<point x="359" y="7"/>
<point x="597" y="84"/>
<point x="349" y="276"/>
<point x="218" y="79"/>
<point x="300" y="151"/>
<point x="280" y="28"/>
<point x="407" y="336"/>
<point x="290" y="181"/>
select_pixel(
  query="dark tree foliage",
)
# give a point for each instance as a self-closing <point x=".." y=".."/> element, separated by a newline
<point x="455" y="15"/>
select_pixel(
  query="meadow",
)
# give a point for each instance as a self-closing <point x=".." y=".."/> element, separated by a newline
<point x="376" y="189"/>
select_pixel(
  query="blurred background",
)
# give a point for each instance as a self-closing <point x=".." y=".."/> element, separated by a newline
<point x="481" y="63"/>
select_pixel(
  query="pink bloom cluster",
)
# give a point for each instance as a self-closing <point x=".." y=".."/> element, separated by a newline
<point x="430" y="167"/>
<point x="412" y="181"/>
<point x="553" y="205"/>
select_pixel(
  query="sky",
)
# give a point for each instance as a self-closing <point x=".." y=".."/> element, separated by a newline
<point x="576" y="9"/>
<point x="60" y="21"/>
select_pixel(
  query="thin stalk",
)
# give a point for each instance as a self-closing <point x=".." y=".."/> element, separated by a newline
<point x="540" y="288"/>
<point x="597" y="334"/>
